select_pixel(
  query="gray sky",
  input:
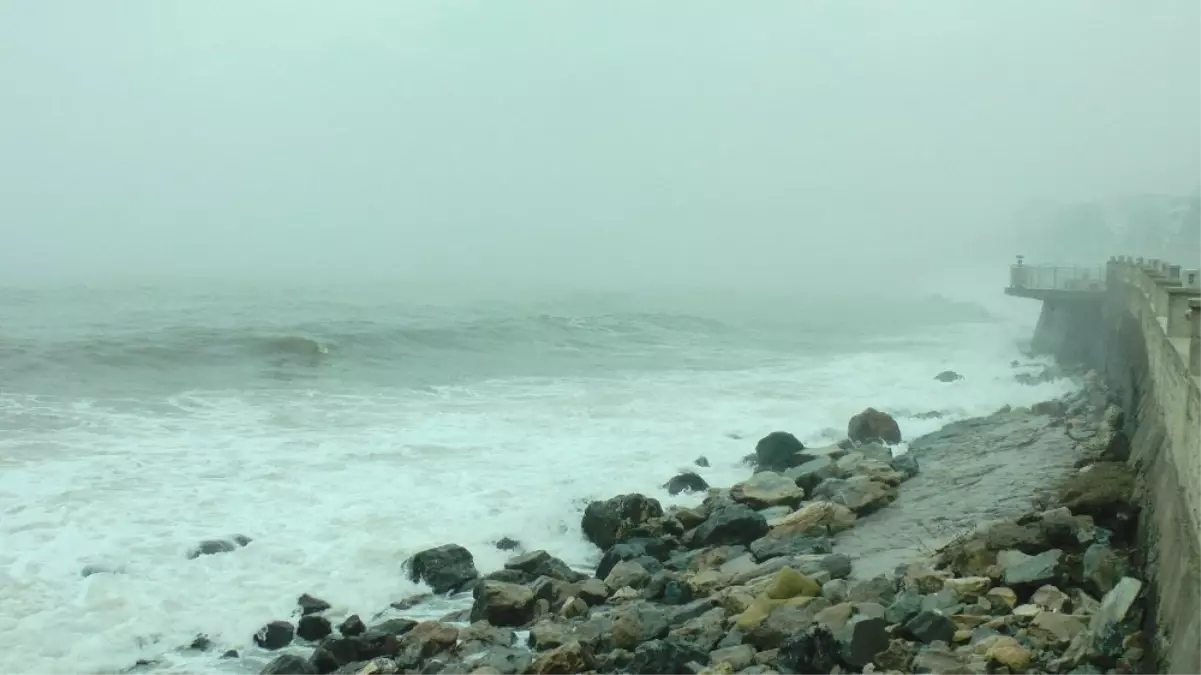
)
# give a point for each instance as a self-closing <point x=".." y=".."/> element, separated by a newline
<point x="572" y="143"/>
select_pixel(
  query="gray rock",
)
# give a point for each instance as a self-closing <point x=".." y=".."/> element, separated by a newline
<point x="685" y="613"/>
<point x="861" y="639"/>
<point x="666" y="656"/>
<point x="446" y="568"/>
<point x="815" y="650"/>
<point x="930" y="626"/>
<point x="502" y="604"/>
<point x="729" y="524"/>
<point x="784" y="621"/>
<point x="1115" y="619"/>
<point x="612" y="521"/>
<point x="766" y="489"/>
<point x="275" y="635"/>
<point x="703" y="632"/>
<point x="542" y="564"/>
<point x="627" y="573"/>
<point x="769" y="546"/>
<point x="871" y="425"/>
<point x="738" y="656"/>
<point x="809" y="475"/>
<point x="1102" y="569"/>
<point x="948" y="376"/>
<point x="904" y="607"/>
<point x="939" y="660"/>
<point x="835" y="591"/>
<point x="688" y="481"/>
<point x="1039" y="569"/>
<point x="777" y="451"/>
<point x="701" y="461"/>
<point x="636" y="623"/>
<point x="593" y="591"/>
<point x="878" y="589"/>
<point x="858" y="493"/>
<point x="773" y="512"/>
<point x="945" y="602"/>
<point x="288" y="664"/>
<point x="905" y="464"/>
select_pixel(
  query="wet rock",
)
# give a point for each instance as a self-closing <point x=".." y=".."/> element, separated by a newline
<point x="766" y="489"/>
<point x="89" y="570"/>
<point x="769" y="546"/>
<point x="1104" y="491"/>
<point x="939" y="660"/>
<point x="627" y="573"/>
<point x="215" y="546"/>
<point x="612" y="521"/>
<point x="860" y="494"/>
<point x="288" y="664"/>
<point x="930" y="626"/>
<point x="702" y="632"/>
<point x="551" y="590"/>
<point x="310" y="605"/>
<point x="774" y="513"/>
<point x="393" y="626"/>
<point x="573" y="607"/>
<point x="871" y="424"/>
<point x="767" y="627"/>
<point x="568" y="658"/>
<point x="777" y="451"/>
<point x="904" y="606"/>
<point x="728" y="524"/>
<point x="701" y="461"/>
<point x="1038" y="569"/>
<point x="948" y="376"/>
<point x="944" y="602"/>
<point x="412" y="601"/>
<point x="352" y="626"/>
<point x="313" y="628"/>
<point x="814" y="519"/>
<point x="275" y="635"/>
<point x="861" y="639"/>
<point x="1061" y="529"/>
<point x="502" y="604"/>
<point x="686" y="482"/>
<point x="630" y="550"/>
<point x="811" y="473"/>
<point x="738" y="656"/>
<point x="811" y="651"/>
<point x="666" y="656"/>
<point x="507" y="544"/>
<point x="201" y="643"/>
<point x="897" y="657"/>
<point x="877" y="589"/>
<point x="445" y="569"/>
<point x="1102" y="569"/>
<point x="542" y="564"/>
<point x="906" y="465"/>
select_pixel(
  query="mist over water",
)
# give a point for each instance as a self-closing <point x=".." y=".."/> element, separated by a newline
<point x="356" y="279"/>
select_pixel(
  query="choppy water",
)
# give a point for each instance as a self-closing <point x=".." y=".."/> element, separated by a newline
<point x="344" y="431"/>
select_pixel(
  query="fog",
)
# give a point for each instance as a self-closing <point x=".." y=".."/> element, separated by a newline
<point x="571" y="144"/>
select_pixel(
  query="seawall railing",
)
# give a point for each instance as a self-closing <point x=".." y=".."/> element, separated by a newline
<point x="1056" y="278"/>
<point x="1173" y="294"/>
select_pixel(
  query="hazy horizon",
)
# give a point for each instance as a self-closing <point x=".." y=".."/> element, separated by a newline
<point x="584" y="146"/>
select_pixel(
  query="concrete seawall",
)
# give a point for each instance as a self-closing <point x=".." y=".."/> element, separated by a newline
<point x="1138" y="332"/>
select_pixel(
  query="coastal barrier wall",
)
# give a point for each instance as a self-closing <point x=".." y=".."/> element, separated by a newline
<point x="1140" y="332"/>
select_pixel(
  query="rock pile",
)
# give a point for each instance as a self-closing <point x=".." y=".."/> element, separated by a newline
<point x="749" y="581"/>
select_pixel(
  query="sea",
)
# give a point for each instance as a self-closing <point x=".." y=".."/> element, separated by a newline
<point x="343" y="429"/>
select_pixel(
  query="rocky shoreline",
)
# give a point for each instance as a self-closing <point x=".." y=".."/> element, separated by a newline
<point x="805" y="568"/>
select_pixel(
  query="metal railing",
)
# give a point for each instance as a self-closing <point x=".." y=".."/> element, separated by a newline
<point x="1052" y="278"/>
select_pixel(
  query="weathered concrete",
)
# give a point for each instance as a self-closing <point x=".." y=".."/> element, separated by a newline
<point x="1141" y="336"/>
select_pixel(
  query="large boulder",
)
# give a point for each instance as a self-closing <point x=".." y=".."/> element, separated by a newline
<point x="1104" y="491"/>
<point x="688" y="481"/>
<point x="777" y="451"/>
<point x="766" y="489"/>
<point x="871" y="424"/>
<point x="613" y="520"/>
<point x="502" y="604"/>
<point x="728" y="524"/>
<point x="542" y="564"/>
<point x="275" y="635"/>
<point x="446" y="568"/>
<point x="860" y="494"/>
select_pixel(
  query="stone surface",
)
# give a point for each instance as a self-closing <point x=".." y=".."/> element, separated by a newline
<point x="1056" y="627"/>
<point x="310" y="605"/>
<point x="1010" y="653"/>
<point x="542" y="564"/>
<point x="777" y="451"/>
<point x="968" y="588"/>
<point x="860" y="494"/>
<point x="871" y="424"/>
<point x="215" y="546"/>
<point x="1102" y="569"/>
<point x="861" y="639"/>
<point x="275" y="635"/>
<point x="445" y="569"/>
<point x="313" y="628"/>
<point x="688" y="481"/>
<point x="288" y="664"/>
<point x="627" y="573"/>
<point x="906" y="465"/>
<point x="1037" y="569"/>
<point x="502" y="604"/>
<point x="729" y="524"/>
<point x="570" y="657"/>
<point x="612" y="521"/>
<point x="738" y="656"/>
<point x="939" y="660"/>
<point x="766" y="489"/>
<point x="811" y="473"/>
<point x="948" y="376"/>
<point x="816" y="518"/>
<point x="930" y="626"/>
<point x="1050" y="598"/>
<point x="767" y="547"/>
<point x="811" y="651"/>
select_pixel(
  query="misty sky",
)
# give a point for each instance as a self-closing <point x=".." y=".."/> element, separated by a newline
<point x="576" y="143"/>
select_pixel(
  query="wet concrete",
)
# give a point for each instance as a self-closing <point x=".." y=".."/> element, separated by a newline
<point x="972" y="472"/>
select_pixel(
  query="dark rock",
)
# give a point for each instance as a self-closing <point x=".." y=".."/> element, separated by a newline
<point x="201" y="643"/>
<point x="1061" y="529"/>
<point x="502" y="604"/>
<point x="686" y="482"/>
<point x="666" y="656"/>
<point x="767" y="547"/>
<point x="507" y="544"/>
<point x="904" y="607"/>
<point x="335" y="652"/>
<point x="631" y="550"/>
<point x="945" y="601"/>
<point x="702" y="632"/>
<point x="627" y="573"/>
<point x="313" y="627"/>
<point x="871" y="424"/>
<point x="939" y="660"/>
<point x="288" y="664"/>
<point x="860" y="494"/>
<point x="352" y="626"/>
<point x="570" y="657"/>
<point x="880" y="590"/>
<point x="729" y="524"/>
<point x="412" y="601"/>
<point x="898" y="657"/>
<point x="702" y="461"/>
<point x="542" y="564"/>
<point x="862" y="639"/>
<point x="215" y="546"/>
<point x="811" y="651"/>
<point x="310" y="605"/>
<point x="636" y="623"/>
<point x="446" y="569"/>
<point x="230" y="654"/>
<point x="810" y="474"/>
<point x="377" y="666"/>
<point x="1104" y="491"/>
<point x="905" y="464"/>
<point x="1117" y="618"/>
<point x="948" y="376"/>
<point x="1102" y="569"/>
<point x="930" y="626"/>
<point x="89" y="570"/>
<point x="784" y="621"/>
<point x="507" y="576"/>
<point x="1034" y="570"/>
<point x="611" y="521"/>
<point x="394" y="626"/>
<point x="777" y="451"/>
<point x="1027" y="538"/>
<point x="616" y="661"/>
<point x="593" y="591"/>
<point x="425" y="640"/>
<point x="275" y="635"/>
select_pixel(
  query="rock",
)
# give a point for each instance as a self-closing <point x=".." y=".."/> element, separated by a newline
<point x="811" y="651"/>
<point x="636" y="623"/>
<point x="313" y="628"/>
<point x="686" y="482"/>
<point x="1037" y="569"/>
<point x="943" y="602"/>
<point x="507" y="544"/>
<point x="701" y="461"/>
<point x="738" y="656"/>
<point x="352" y="626"/>
<point x="701" y="633"/>
<point x="1052" y="408"/>
<point x="898" y="657"/>
<point x="288" y="664"/>
<point x="1009" y="653"/>
<point x="1001" y="599"/>
<point x="788" y="583"/>
<point x="904" y="607"/>
<point x="1057" y="627"/>
<point x="767" y="623"/>
<point x="968" y="589"/>
<point x="1114" y="620"/>
<point x="1102" y="569"/>
<point x="215" y="546"/>
<point x="810" y="474"/>
<point x="1025" y="538"/>
<point x="612" y="521"/>
<point x="729" y="524"/>
<point x="816" y="518"/>
<point x="766" y="489"/>
<point x="1050" y="598"/>
<point x="860" y="494"/>
<point x="502" y="604"/>
<point x="930" y="626"/>
<point x="310" y="605"/>
<point x="1082" y="603"/>
<point x="777" y="451"/>
<point x="593" y="592"/>
<point x="568" y="658"/>
<point x="939" y="660"/>
<point x="862" y="639"/>
<point x="630" y="550"/>
<point x="835" y="591"/>
<point x="1104" y="492"/>
<point x="877" y="589"/>
<point x="542" y="564"/>
<point x="445" y="569"/>
<point x="275" y="635"/>
<point x="573" y="607"/>
<point x="666" y="656"/>
<point x="627" y="573"/>
<point x="768" y="546"/>
<point x="871" y="424"/>
<point x="905" y="464"/>
<point x="774" y="513"/>
<point x="948" y="376"/>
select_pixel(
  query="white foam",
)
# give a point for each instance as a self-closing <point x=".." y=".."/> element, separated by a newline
<point x="338" y="490"/>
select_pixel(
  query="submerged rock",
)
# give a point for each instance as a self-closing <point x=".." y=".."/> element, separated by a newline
<point x="687" y="481"/>
<point x="215" y="546"/>
<point x="312" y="627"/>
<point x="612" y="521"/>
<point x="777" y="451"/>
<point x="948" y="376"/>
<point x="275" y="635"/>
<point x="446" y="569"/>
<point x="310" y="605"/>
<point x="871" y="424"/>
